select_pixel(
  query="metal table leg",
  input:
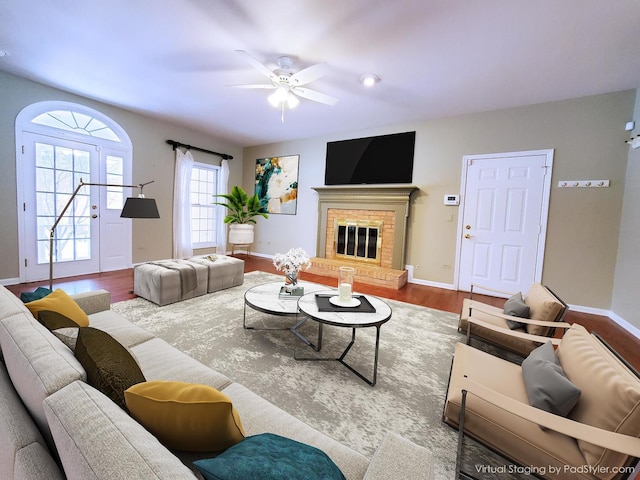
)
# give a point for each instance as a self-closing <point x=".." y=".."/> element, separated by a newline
<point x="295" y="331"/>
<point x="340" y="359"/>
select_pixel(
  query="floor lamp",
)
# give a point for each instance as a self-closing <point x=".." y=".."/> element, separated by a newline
<point x="134" y="207"/>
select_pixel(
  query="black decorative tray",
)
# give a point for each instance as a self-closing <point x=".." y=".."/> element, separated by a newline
<point x="324" y="305"/>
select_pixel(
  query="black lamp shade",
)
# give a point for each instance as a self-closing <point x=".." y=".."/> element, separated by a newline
<point x="140" y="208"/>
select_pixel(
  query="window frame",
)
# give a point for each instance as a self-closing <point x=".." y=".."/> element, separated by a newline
<point x="216" y="188"/>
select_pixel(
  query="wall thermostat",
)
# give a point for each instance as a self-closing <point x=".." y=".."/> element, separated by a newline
<point x="452" y="199"/>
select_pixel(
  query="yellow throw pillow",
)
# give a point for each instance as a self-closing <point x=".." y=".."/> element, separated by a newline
<point x="185" y="416"/>
<point x="59" y="301"/>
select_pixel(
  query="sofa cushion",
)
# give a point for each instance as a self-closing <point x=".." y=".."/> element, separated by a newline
<point x="60" y="302"/>
<point x="19" y="435"/>
<point x="185" y="416"/>
<point x="110" y="367"/>
<point x="610" y="392"/>
<point x="516" y="307"/>
<point x="402" y="457"/>
<point x="96" y="440"/>
<point x="38" y="363"/>
<point x="161" y="361"/>
<point x="68" y="336"/>
<point x="544" y="306"/>
<point x="270" y="457"/>
<point x="34" y="462"/>
<point x="547" y="386"/>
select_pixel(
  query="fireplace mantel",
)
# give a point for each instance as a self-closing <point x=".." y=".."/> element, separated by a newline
<point x="367" y="197"/>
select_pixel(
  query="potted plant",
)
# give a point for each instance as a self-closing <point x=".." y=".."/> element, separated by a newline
<point x="242" y="208"/>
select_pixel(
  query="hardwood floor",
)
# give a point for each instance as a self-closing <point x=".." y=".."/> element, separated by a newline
<point x="120" y="284"/>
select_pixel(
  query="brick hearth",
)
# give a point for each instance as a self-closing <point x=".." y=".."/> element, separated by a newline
<point x="368" y="274"/>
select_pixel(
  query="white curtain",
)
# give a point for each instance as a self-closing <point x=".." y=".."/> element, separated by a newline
<point x="221" y="227"/>
<point x="182" y="247"/>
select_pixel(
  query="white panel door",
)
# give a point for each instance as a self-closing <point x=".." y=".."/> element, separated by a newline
<point x="53" y="169"/>
<point x="91" y="237"/>
<point x="504" y="220"/>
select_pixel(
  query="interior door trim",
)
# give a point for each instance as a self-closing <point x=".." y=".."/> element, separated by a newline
<point x="466" y="161"/>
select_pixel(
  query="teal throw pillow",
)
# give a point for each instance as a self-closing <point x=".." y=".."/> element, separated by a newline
<point x="270" y="457"/>
<point x="39" y="293"/>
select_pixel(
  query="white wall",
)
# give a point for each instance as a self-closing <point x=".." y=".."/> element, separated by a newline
<point x="587" y="135"/>
<point x="627" y="274"/>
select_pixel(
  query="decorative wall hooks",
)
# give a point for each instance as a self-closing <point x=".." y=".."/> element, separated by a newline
<point x="634" y="141"/>
<point x="583" y="183"/>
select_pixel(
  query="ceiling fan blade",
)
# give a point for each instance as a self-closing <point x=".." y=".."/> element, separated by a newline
<point x="314" y="95"/>
<point x="257" y="85"/>
<point x="308" y="74"/>
<point x="257" y="65"/>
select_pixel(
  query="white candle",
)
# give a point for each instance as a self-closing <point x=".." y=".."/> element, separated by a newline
<point x="345" y="292"/>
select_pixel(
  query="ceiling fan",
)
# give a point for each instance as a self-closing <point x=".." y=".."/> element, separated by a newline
<point x="288" y="84"/>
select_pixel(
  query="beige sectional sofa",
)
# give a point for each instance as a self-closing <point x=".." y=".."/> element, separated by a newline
<point x="54" y="425"/>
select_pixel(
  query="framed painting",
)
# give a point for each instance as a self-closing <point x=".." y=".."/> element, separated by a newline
<point x="277" y="183"/>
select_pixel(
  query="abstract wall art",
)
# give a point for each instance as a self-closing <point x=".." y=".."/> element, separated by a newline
<point x="277" y="183"/>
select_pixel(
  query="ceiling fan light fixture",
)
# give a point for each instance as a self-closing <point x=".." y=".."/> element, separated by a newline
<point x="292" y="101"/>
<point x="369" y="79"/>
<point x="280" y="95"/>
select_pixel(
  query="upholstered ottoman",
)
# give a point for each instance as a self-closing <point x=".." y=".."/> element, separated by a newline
<point x="169" y="281"/>
<point x="224" y="271"/>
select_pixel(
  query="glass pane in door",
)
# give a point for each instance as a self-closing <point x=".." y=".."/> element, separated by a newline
<point x="58" y="172"/>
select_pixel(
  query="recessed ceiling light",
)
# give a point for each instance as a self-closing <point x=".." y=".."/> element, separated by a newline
<point x="370" y="79"/>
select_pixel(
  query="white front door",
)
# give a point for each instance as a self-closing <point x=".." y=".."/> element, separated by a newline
<point x="504" y="217"/>
<point x="90" y="236"/>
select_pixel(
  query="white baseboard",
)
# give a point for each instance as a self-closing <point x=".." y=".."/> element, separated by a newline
<point x="9" y="281"/>
<point x="624" y="324"/>
<point x="427" y="283"/>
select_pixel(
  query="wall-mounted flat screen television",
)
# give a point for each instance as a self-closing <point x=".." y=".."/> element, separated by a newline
<point x="371" y="160"/>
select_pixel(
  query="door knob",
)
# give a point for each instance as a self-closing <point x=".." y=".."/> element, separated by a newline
<point x="94" y="216"/>
<point x="467" y="235"/>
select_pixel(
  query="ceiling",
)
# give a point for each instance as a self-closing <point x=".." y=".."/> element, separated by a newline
<point x="175" y="59"/>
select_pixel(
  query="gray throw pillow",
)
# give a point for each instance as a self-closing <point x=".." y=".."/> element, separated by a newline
<point x="516" y="307"/>
<point x="547" y="386"/>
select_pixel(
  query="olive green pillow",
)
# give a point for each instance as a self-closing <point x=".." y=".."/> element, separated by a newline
<point x="55" y="320"/>
<point x="109" y="365"/>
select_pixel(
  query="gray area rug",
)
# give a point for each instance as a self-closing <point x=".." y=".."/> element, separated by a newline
<point x="416" y="348"/>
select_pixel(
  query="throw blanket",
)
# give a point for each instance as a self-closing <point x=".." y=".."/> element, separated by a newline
<point x="188" y="276"/>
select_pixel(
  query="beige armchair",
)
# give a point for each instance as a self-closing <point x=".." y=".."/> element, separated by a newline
<point x="487" y="400"/>
<point x="490" y="324"/>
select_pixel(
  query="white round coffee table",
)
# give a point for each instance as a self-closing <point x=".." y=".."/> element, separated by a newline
<point x="265" y="298"/>
<point x="373" y="312"/>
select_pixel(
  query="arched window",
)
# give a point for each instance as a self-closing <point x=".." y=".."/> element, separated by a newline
<point x="57" y="145"/>
<point x="75" y="121"/>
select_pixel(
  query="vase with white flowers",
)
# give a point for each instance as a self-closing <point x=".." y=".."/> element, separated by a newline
<point x="291" y="263"/>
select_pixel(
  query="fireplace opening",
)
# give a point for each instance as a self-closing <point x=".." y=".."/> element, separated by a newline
<point x="358" y="240"/>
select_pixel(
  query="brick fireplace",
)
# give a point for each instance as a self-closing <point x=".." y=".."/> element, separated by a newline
<point x="364" y="227"/>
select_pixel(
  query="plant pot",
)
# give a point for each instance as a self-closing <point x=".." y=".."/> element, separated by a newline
<point x="241" y="233"/>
